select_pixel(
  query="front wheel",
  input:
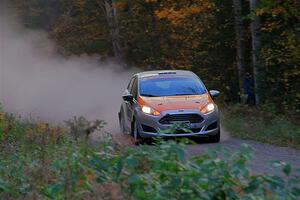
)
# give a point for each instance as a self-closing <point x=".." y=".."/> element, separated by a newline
<point x="121" y="123"/>
<point x="135" y="133"/>
<point x="215" y="138"/>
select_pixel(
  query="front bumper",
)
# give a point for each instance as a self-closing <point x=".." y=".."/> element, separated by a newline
<point x="202" y="129"/>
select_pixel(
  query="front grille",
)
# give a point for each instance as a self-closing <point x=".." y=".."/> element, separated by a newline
<point x="171" y="118"/>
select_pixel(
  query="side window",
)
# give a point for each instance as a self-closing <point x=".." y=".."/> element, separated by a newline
<point x="130" y="84"/>
<point x="134" y="88"/>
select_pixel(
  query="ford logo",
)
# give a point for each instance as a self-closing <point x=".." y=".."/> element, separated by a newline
<point x="180" y="110"/>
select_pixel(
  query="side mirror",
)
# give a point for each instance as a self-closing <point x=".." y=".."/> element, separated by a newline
<point x="128" y="97"/>
<point x="214" y="93"/>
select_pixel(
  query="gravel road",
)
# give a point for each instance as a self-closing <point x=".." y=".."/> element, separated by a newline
<point x="263" y="154"/>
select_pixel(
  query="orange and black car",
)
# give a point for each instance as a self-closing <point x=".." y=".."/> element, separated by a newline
<point x="156" y="102"/>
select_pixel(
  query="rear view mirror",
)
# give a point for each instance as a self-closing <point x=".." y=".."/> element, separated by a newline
<point x="128" y="97"/>
<point x="214" y="93"/>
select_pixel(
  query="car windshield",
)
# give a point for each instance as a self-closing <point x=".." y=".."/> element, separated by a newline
<point x="171" y="86"/>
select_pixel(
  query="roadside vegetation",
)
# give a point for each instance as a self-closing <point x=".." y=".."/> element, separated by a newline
<point x="262" y="124"/>
<point x="40" y="161"/>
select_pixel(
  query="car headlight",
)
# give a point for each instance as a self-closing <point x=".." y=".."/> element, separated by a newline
<point x="210" y="107"/>
<point x="150" y="111"/>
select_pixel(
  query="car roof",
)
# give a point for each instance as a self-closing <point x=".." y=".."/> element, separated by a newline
<point x="165" y="72"/>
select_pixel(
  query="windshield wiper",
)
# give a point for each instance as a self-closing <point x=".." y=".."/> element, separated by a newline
<point x="183" y="94"/>
<point x="148" y="95"/>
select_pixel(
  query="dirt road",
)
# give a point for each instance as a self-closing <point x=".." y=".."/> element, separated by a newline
<point x="263" y="154"/>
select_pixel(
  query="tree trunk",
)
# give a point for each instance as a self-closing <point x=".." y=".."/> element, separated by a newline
<point x="240" y="46"/>
<point x="109" y="9"/>
<point x="256" y="46"/>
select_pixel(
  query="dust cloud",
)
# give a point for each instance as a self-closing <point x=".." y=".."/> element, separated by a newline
<point x="37" y="82"/>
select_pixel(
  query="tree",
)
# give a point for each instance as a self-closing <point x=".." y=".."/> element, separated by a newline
<point x="191" y="23"/>
<point x="199" y="35"/>
<point x="109" y="9"/>
<point x="82" y="29"/>
<point x="256" y="47"/>
<point x="280" y="53"/>
<point x="240" y="46"/>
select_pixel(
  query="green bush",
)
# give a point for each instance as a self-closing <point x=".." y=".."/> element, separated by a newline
<point x="163" y="172"/>
<point x="59" y="167"/>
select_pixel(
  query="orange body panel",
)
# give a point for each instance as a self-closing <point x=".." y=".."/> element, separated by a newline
<point x="175" y="102"/>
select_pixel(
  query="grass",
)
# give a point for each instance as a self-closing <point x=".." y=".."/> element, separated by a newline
<point x="261" y="124"/>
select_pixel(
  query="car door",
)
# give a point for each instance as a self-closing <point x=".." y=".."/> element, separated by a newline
<point x="129" y="106"/>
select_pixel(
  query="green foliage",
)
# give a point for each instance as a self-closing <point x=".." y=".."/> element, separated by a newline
<point x="197" y="35"/>
<point x="68" y="169"/>
<point x="281" y="53"/>
<point x="194" y="35"/>
<point x="39" y="160"/>
<point x="177" y="127"/>
<point x="82" y="18"/>
<point x="38" y="14"/>
<point x="80" y="127"/>
<point x="163" y="172"/>
<point x="262" y="124"/>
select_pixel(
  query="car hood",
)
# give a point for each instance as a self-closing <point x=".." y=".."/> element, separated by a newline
<point x="175" y="102"/>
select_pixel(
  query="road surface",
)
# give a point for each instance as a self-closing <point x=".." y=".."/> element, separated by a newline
<point x="263" y="153"/>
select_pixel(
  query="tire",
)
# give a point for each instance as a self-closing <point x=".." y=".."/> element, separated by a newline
<point x="121" y="123"/>
<point x="135" y="133"/>
<point x="215" y="138"/>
